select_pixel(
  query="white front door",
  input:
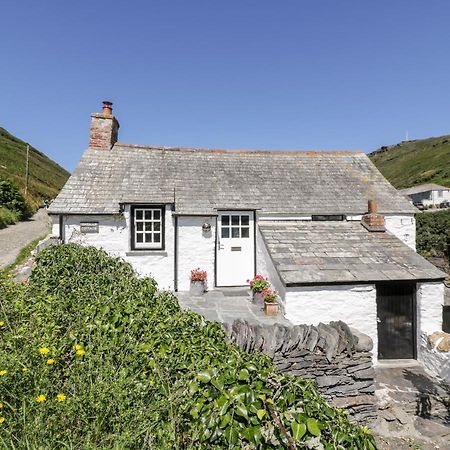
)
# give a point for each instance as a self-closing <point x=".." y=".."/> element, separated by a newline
<point x="235" y="248"/>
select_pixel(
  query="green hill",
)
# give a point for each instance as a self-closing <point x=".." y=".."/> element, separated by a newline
<point x="410" y="163"/>
<point x="46" y="178"/>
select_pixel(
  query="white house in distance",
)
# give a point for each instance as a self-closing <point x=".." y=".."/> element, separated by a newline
<point x="300" y="218"/>
<point x="427" y="194"/>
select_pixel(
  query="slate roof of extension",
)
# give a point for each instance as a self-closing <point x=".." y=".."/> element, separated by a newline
<point x="308" y="253"/>
<point x="201" y="181"/>
<point x="423" y="188"/>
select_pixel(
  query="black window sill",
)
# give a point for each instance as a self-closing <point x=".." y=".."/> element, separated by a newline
<point x="146" y="253"/>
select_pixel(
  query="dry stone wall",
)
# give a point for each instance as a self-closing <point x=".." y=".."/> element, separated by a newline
<point x="336" y="357"/>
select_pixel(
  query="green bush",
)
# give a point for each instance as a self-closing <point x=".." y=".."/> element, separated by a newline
<point x="433" y="232"/>
<point x="93" y="357"/>
<point x="7" y="217"/>
<point x="12" y="199"/>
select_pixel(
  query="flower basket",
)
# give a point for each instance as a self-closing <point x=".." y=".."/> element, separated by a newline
<point x="257" y="284"/>
<point x="198" y="282"/>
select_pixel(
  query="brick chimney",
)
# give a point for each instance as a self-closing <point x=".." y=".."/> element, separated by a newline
<point x="372" y="220"/>
<point x="104" y="128"/>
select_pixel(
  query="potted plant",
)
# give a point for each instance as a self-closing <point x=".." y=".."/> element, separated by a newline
<point x="198" y="282"/>
<point x="270" y="297"/>
<point x="257" y="284"/>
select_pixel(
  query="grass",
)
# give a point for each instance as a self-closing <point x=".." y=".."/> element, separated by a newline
<point x="411" y="163"/>
<point x="46" y="177"/>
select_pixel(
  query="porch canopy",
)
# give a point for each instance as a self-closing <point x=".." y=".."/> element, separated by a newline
<point x="317" y="253"/>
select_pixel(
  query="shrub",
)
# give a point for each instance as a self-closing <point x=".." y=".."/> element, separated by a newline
<point x="12" y="199"/>
<point x="433" y="232"/>
<point x="93" y="357"/>
<point x="7" y="217"/>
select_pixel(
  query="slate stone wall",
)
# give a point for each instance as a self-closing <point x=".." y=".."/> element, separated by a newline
<point x="337" y="358"/>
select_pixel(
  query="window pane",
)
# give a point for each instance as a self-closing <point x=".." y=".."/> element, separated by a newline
<point x="234" y="220"/>
<point x="148" y="237"/>
<point x="139" y="214"/>
<point x="235" y="232"/>
<point x="225" y="232"/>
<point x="148" y="215"/>
<point x="139" y="237"/>
<point x="157" y="237"/>
<point x="148" y="226"/>
<point x="156" y="214"/>
<point x="245" y="232"/>
<point x="225" y="220"/>
<point x="157" y="226"/>
<point x="139" y="226"/>
<point x="244" y="220"/>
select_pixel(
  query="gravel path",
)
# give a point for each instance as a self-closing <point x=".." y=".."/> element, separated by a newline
<point x="15" y="237"/>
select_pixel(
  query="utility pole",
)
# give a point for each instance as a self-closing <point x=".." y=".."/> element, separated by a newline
<point x="26" y="169"/>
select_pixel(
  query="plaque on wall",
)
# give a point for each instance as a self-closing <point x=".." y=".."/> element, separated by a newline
<point x="89" y="227"/>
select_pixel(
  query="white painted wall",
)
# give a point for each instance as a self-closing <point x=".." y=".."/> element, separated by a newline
<point x="195" y="249"/>
<point x="265" y="266"/>
<point x="356" y="305"/>
<point x="430" y="298"/>
<point x="431" y="197"/>
<point x="114" y="238"/>
<point x="403" y="227"/>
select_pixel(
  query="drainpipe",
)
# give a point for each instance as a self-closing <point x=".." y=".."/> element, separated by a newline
<point x="175" y="257"/>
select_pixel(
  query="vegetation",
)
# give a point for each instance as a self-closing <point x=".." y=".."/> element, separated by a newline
<point x="12" y="204"/>
<point x="46" y="178"/>
<point x="93" y="357"/>
<point x="433" y="232"/>
<point x="415" y="162"/>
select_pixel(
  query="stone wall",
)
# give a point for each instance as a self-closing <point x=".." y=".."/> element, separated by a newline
<point x="337" y="358"/>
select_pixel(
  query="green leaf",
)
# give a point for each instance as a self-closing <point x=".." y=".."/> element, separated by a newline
<point x="313" y="427"/>
<point x="261" y="413"/>
<point x="204" y="376"/>
<point x="243" y="375"/>
<point x="241" y="410"/>
<point x="298" y="430"/>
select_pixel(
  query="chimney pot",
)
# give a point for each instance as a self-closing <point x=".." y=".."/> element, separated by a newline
<point x="107" y="107"/>
<point x="372" y="205"/>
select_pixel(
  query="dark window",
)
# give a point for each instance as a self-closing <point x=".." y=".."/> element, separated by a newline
<point x="147" y="227"/>
<point x="327" y="217"/>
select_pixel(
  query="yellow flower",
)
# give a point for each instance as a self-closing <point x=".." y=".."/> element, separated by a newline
<point x="60" y="397"/>
<point x="50" y="361"/>
<point x="41" y="398"/>
<point x="1" y="405"/>
<point x="2" y="323"/>
<point x="80" y="352"/>
<point x="3" y="372"/>
<point x="44" y="351"/>
<point x="78" y="347"/>
<point x="2" y="419"/>
<point x="24" y="369"/>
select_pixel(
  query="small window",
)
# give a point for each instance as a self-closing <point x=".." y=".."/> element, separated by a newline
<point x="235" y="228"/>
<point x="147" y="227"/>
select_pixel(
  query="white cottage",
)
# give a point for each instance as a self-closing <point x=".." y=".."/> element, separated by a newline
<point x="300" y="218"/>
<point x="427" y="194"/>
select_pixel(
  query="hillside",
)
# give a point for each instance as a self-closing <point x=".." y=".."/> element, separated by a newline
<point x="46" y="177"/>
<point x="410" y="163"/>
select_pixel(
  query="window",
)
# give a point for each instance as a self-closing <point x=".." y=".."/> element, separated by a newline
<point x="327" y="218"/>
<point x="235" y="226"/>
<point x="147" y="231"/>
<point x="440" y="194"/>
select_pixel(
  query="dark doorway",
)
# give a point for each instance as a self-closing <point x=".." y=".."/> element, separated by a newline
<point x="396" y="315"/>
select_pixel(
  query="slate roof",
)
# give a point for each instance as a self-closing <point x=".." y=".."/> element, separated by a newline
<point x="423" y="188"/>
<point x="200" y="181"/>
<point x="308" y="253"/>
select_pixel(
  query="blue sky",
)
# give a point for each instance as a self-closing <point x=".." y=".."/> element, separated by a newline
<point x="226" y="74"/>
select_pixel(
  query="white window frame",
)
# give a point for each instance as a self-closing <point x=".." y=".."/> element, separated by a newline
<point x="145" y="223"/>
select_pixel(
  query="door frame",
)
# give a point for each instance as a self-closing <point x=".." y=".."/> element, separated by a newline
<point x="414" y="316"/>
<point x="252" y="211"/>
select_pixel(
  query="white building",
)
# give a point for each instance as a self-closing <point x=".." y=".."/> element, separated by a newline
<point x="427" y="194"/>
<point x="300" y="218"/>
